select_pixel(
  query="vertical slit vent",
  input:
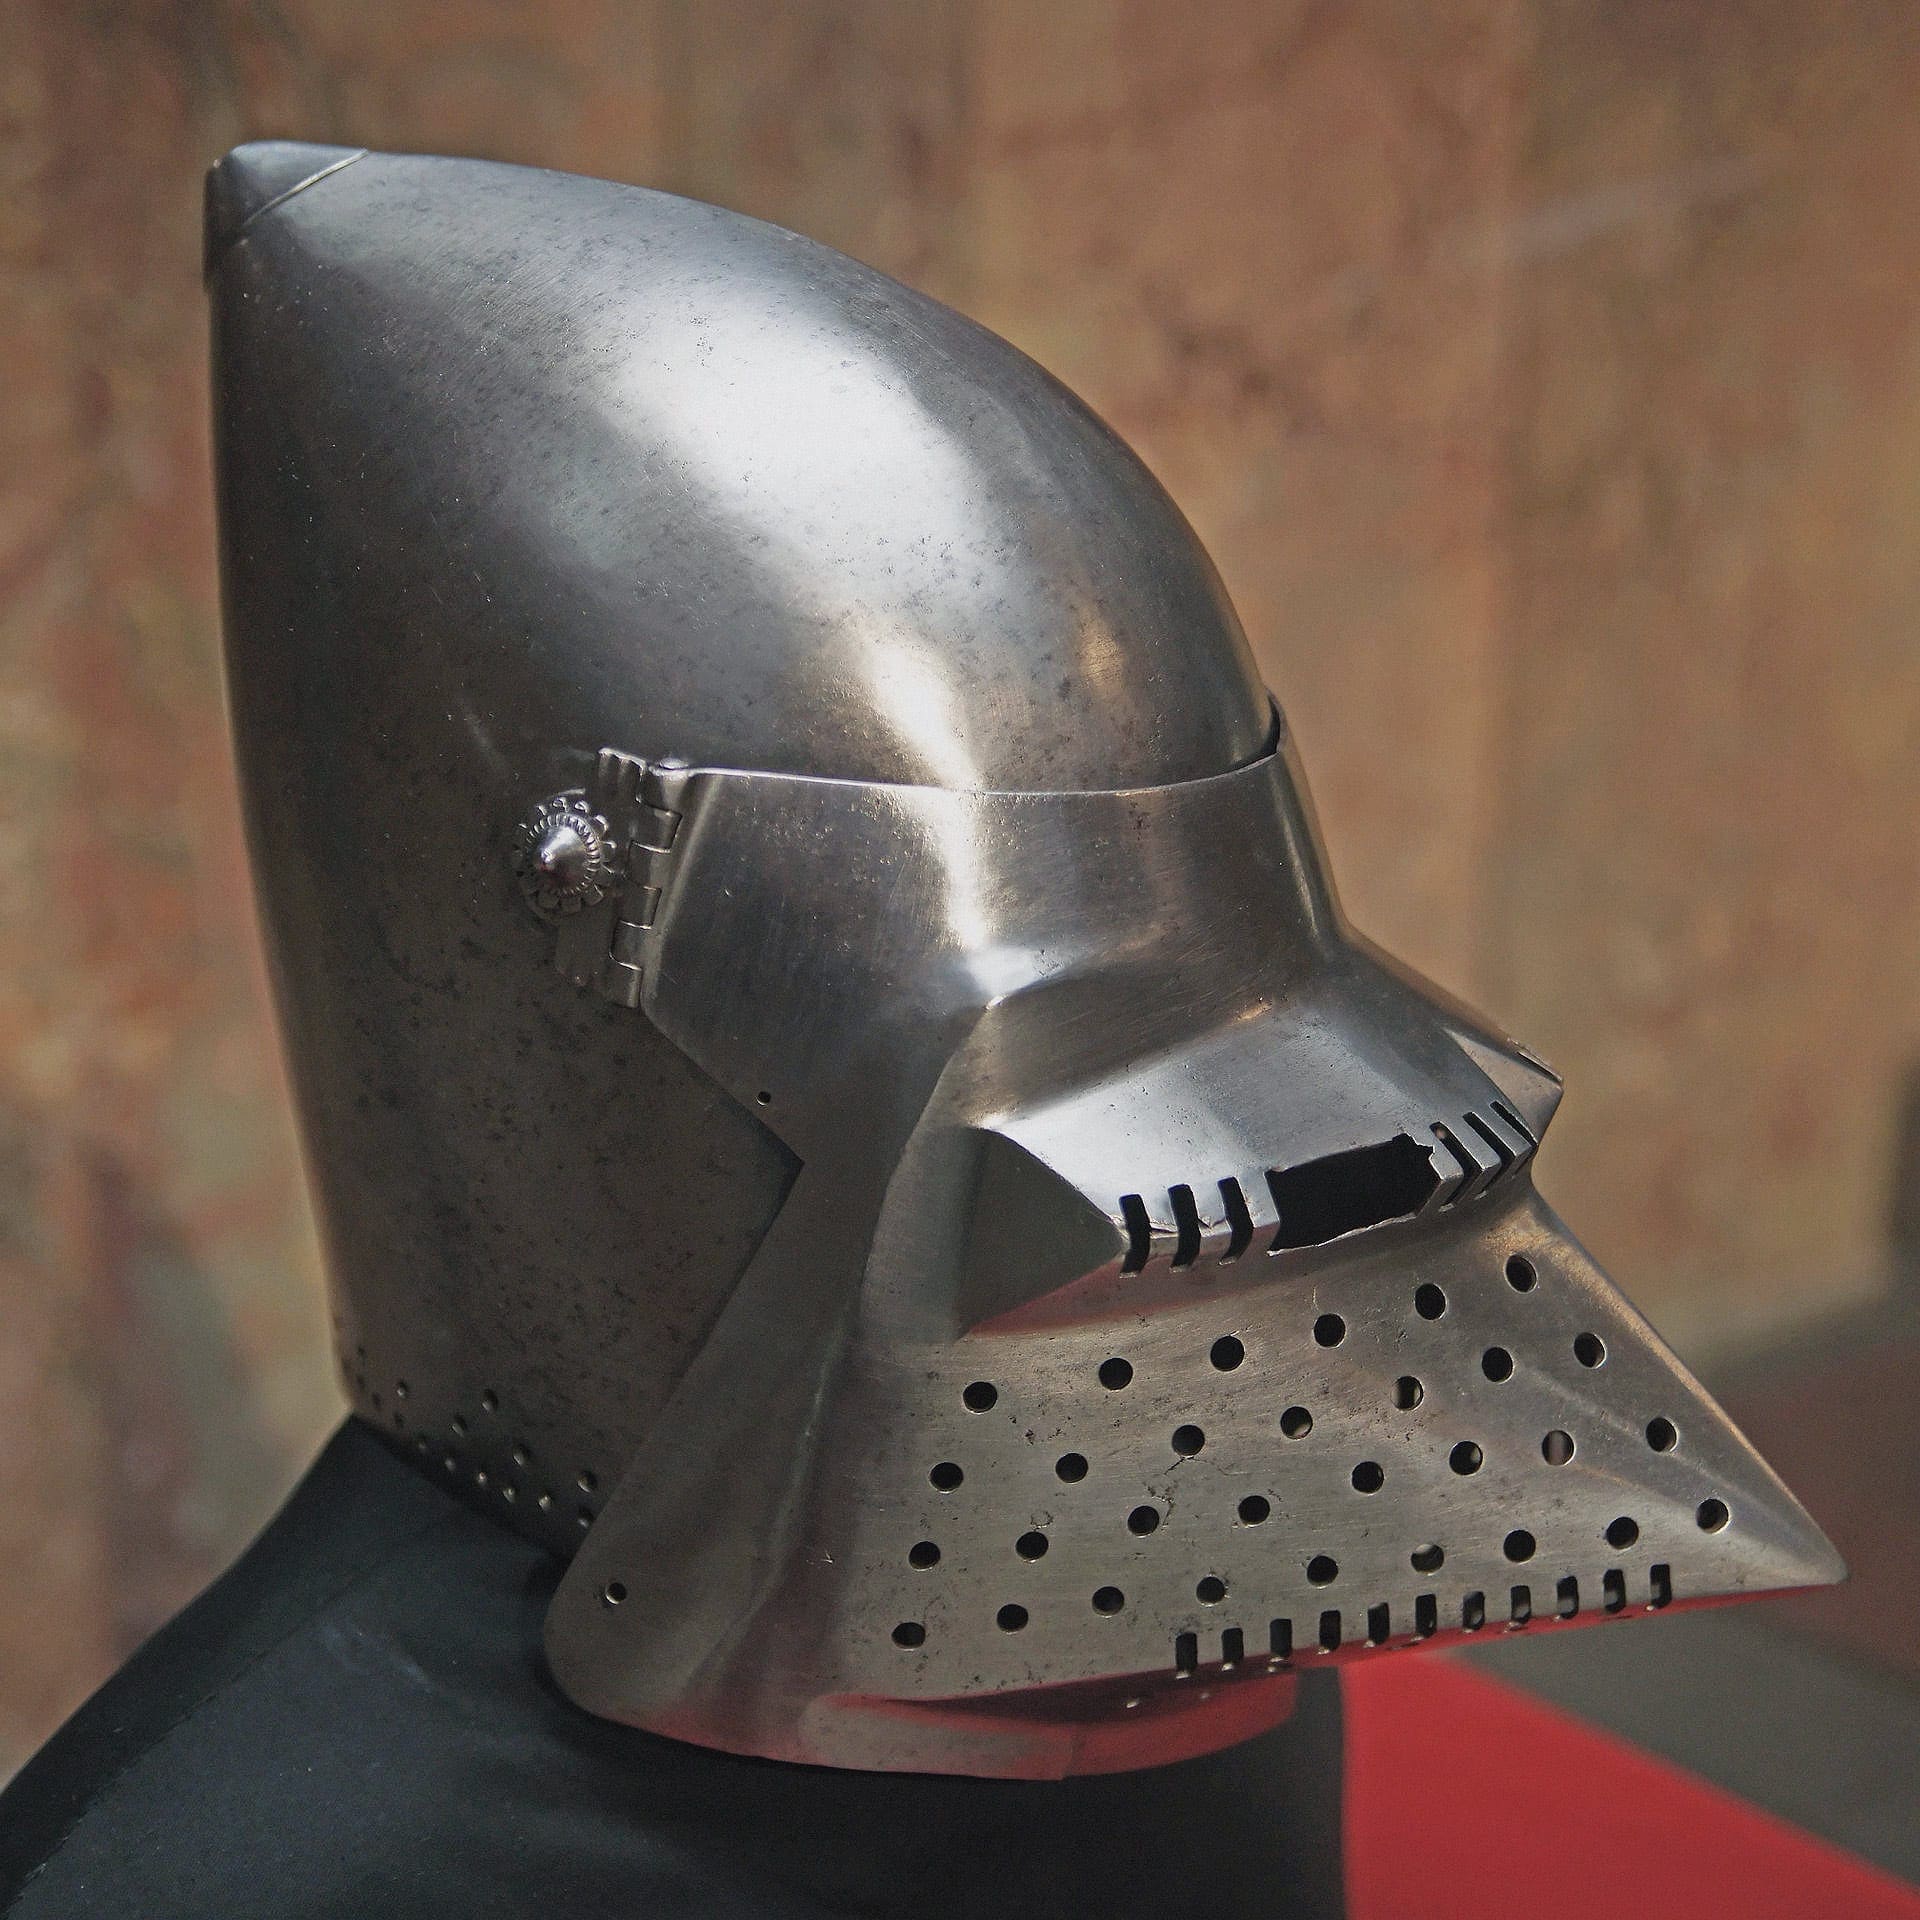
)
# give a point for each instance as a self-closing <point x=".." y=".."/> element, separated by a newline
<point x="1569" y="1591"/>
<point x="1330" y="1630"/>
<point x="1660" y="1577"/>
<point x="1233" y="1647"/>
<point x="1379" y="1624"/>
<point x="1426" y="1616"/>
<point x="1186" y="1219"/>
<point x="1280" y="1639"/>
<point x="1133" y="1210"/>
<point x="1473" y="1612"/>
<point x="1520" y="1606"/>
<point x="1501" y="1152"/>
<point x="1613" y="1589"/>
<point x="1238" y="1218"/>
<point x="1186" y="1652"/>
<point x="1513" y="1120"/>
<point x="1467" y="1161"/>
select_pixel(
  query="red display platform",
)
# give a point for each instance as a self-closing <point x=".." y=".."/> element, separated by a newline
<point x="1468" y="1799"/>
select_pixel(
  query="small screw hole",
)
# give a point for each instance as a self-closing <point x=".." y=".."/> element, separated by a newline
<point x="1712" y="1515"/>
<point x="1031" y="1546"/>
<point x="1429" y="1558"/>
<point x="1143" y="1520"/>
<point x="1296" y="1423"/>
<point x="1518" y="1545"/>
<point x="1108" y="1600"/>
<point x="1662" y="1435"/>
<point x="1211" y="1591"/>
<point x="1227" y="1353"/>
<point x="1188" y="1440"/>
<point x="923" y="1554"/>
<point x="1521" y="1276"/>
<point x="1408" y="1393"/>
<point x="1557" y="1448"/>
<point x="1329" y="1330"/>
<point x="1429" y="1302"/>
<point x="1115" y="1374"/>
<point x="946" y="1476"/>
<point x="1622" y="1533"/>
<point x="1466" y="1457"/>
<point x="1323" y="1570"/>
<point x="1010" y="1618"/>
<point x="909" y="1633"/>
<point x="1255" y="1509"/>
<point x="1369" y="1477"/>
<point x="1497" y="1364"/>
<point x="1071" y="1467"/>
<point x="1589" y="1349"/>
<point x="613" y="1592"/>
<point x="980" y="1395"/>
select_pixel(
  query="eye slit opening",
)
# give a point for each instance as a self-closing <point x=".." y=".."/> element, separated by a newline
<point x="1186" y="1220"/>
<point x="1239" y="1218"/>
<point x="1133" y="1210"/>
<point x="1346" y="1192"/>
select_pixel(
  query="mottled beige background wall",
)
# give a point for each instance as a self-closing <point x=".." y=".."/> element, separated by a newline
<point x="1545" y="377"/>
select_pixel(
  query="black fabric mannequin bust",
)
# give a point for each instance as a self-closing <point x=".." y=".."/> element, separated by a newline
<point x="356" y="1720"/>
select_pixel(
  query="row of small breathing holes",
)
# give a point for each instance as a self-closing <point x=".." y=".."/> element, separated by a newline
<point x="1227" y="1353"/>
<point x="587" y="1481"/>
<point x="1426" y="1613"/>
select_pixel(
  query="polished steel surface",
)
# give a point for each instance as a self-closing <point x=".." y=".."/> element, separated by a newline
<point x="837" y="1084"/>
<point x="1162" y="1300"/>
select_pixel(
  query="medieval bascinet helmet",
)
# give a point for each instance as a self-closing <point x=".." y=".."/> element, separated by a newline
<point x="840" y="1094"/>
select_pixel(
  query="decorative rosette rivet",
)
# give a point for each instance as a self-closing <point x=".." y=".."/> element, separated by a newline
<point x="563" y="856"/>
